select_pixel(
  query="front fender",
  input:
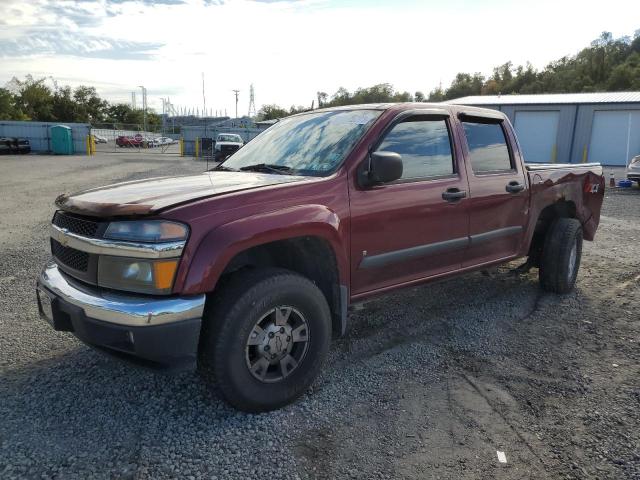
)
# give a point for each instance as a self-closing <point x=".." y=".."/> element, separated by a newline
<point x="223" y="243"/>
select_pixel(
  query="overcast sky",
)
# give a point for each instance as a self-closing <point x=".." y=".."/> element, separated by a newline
<point x="288" y="49"/>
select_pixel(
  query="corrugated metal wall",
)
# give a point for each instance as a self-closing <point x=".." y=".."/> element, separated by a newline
<point x="575" y="128"/>
<point x="39" y="134"/>
<point x="189" y="135"/>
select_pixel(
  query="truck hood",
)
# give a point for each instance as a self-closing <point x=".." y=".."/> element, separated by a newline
<point x="146" y="197"/>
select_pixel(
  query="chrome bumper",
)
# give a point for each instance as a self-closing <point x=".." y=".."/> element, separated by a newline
<point x="118" y="308"/>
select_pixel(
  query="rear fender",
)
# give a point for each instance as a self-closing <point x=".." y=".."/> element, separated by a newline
<point x="222" y="244"/>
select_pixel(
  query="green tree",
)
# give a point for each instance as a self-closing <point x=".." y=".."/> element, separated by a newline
<point x="90" y="107"/>
<point x="8" y="108"/>
<point x="272" y="112"/>
<point x="322" y="99"/>
<point x="465" y="85"/>
<point x="437" y="95"/>
<point x="121" y="116"/>
<point x="34" y="99"/>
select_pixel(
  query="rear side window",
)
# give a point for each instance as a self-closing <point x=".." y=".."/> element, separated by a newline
<point x="424" y="145"/>
<point x="488" y="149"/>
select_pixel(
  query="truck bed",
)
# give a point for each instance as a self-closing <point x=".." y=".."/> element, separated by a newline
<point x="580" y="184"/>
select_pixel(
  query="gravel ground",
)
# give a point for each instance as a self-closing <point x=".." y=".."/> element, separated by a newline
<point x="429" y="382"/>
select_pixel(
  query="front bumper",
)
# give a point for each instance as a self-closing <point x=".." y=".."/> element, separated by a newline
<point x="158" y="332"/>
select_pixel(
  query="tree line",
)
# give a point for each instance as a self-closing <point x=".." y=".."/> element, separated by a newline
<point x="44" y="100"/>
<point x="607" y="65"/>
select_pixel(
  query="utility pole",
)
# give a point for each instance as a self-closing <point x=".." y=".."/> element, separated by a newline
<point x="236" y="92"/>
<point x="204" y="99"/>
<point x="144" y="108"/>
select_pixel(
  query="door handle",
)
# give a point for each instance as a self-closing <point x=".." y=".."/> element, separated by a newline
<point x="453" y="194"/>
<point x="514" y="187"/>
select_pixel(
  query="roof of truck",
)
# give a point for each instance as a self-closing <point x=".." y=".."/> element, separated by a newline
<point x="401" y="106"/>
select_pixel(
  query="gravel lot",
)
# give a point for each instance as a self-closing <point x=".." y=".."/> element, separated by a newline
<point x="428" y="383"/>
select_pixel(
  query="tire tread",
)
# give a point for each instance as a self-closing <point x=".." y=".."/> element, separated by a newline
<point x="559" y="241"/>
<point x="245" y="288"/>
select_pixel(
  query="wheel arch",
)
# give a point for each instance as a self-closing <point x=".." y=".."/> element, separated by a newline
<point x="560" y="209"/>
<point x="306" y="239"/>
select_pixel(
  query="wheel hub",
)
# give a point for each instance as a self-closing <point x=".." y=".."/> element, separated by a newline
<point x="277" y="344"/>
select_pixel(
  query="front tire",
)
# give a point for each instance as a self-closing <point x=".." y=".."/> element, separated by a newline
<point x="561" y="256"/>
<point x="265" y="338"/>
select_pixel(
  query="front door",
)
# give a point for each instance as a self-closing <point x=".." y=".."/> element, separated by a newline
<point x="405" y="230"/>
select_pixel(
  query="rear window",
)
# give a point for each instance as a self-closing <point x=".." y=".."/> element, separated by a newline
<point x="488" y="150"/>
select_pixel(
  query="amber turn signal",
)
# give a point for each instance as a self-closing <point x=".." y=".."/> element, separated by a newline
<point x="163" y="273"/>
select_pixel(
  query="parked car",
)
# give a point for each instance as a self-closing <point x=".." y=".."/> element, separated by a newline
<point x="133" y="141"/>
<point x="162" y="141"/>
<point x="633" y="170"/>
<point x="99" y="139"/>
<point x="226" y="144"/>
<point x="125" y="141"/>
<point x="247" y="271"/>
<point x="14" y="145"/>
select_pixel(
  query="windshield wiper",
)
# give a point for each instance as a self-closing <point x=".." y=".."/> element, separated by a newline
<point x="269" y="167"/>
<point x="222" y="168"/>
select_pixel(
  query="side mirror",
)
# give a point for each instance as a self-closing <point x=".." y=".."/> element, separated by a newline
<point x="384" y="167"/>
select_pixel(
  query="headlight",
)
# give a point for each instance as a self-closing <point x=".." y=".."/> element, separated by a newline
<point x="635" y="160"/>
<point x="149" y="231"/>
<point x="136" y="275"/>
<point x="218" y="147"/>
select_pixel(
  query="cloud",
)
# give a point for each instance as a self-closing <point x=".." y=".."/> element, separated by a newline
<point x="51" y="42"/>
<point x="72" y="27"/>
<point x="289" y="49"/>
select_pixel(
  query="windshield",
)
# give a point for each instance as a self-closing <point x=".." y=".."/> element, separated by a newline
<point x="229" y="138"/>
<point x="310" y="144"/>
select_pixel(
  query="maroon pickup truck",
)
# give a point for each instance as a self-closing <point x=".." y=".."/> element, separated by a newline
<point x="247" y="271"/>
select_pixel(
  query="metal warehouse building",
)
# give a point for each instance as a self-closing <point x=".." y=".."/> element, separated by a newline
<point x="39" y="134"/>
<point x="571" y="127"/>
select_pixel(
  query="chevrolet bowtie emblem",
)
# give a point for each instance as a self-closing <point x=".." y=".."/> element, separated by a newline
<point x="64" y="240"/>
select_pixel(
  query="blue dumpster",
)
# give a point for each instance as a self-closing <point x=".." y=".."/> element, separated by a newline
<point x="61" y="140"/>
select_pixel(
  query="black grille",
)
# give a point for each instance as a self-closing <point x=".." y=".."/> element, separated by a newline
<point x="77" y="225"/>
<point x="228" y="148"/>
<point x="70" y="257"/>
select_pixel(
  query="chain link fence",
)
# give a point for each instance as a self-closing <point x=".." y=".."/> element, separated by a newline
<point x="123" y="138"/>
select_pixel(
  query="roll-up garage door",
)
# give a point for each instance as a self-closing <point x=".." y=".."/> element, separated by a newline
<point x="615" y="137"/>
<point x="537" y="133"/>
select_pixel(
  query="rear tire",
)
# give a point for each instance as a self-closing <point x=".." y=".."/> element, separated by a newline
<point x="561" y="256"/>
<point x="265" y="337"/>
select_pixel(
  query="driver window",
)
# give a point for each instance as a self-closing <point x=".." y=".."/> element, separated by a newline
<point x="425" y="147"/>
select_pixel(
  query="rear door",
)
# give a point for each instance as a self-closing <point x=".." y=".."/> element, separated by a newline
<point x="405" y="230"/>
<point x="498" y="190"/>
